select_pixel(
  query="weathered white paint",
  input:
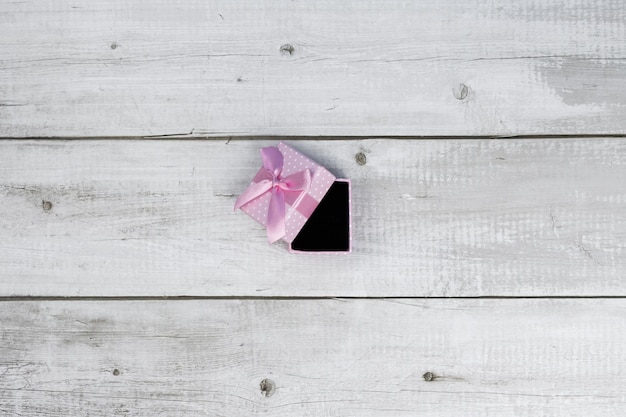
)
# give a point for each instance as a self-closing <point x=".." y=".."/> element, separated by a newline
<point x="377" y="67"/>
<point x="430" y="218"/>
<point x="522" y="358"/>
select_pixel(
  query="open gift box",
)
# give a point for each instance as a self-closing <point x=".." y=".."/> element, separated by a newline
<point x="299" y="201"/>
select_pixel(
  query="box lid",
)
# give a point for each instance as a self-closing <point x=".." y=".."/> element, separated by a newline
<point x="299" y="206"/>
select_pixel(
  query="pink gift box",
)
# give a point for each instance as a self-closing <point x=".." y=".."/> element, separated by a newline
<point x="303" y="185"/>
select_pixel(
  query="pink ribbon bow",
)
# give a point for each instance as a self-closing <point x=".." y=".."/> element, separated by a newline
<point x="272" y="181"/>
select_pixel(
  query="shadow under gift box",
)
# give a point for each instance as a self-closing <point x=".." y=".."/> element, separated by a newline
<point x="316" y="221"/>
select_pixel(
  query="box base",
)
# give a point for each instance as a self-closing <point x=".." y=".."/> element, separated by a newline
<point x="328" y="230"/>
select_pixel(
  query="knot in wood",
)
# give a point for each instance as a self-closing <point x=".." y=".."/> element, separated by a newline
<point x="428" y="376"/>
<point x="116" y="372"/>
<point x="287" y="49"/>
<point x="461" y="92"/>
<point x="47" y="205"/>
<point x="361" y="159"/>
<point x="267" y="387"/>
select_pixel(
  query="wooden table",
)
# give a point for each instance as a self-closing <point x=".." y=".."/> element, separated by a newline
<point x="485" y="143"/>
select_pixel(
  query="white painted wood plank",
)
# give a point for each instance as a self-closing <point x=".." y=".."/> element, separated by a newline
<point x="326" y="358"/>
<point x="430" y="218"/>
<point x="377" y="67"/>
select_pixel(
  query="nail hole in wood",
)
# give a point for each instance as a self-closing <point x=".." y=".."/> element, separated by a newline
<point x="116" y="372"/>
<point x="428" y="376"/>
<point x="361" y="159"/>
<point x="267" y="387"/>
<point x="461" y="92"/>
<point x="287" y="49"/>
<point x="114" y="45"/>
<point x="47" y="206"/>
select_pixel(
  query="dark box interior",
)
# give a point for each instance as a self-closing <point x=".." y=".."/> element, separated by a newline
<point x="328" y="228"/>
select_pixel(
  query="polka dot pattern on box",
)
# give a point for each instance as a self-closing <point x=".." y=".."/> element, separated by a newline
<point x="321" y="181"/>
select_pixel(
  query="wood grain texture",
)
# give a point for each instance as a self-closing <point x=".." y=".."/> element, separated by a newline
<point x="216" y="68"/>
<point x="336" y="358"/>
<point x="430" y="218"/>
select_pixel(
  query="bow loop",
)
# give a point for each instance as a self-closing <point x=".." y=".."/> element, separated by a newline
<point x="296" y="182"/>
<point x="272" y="160"/>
